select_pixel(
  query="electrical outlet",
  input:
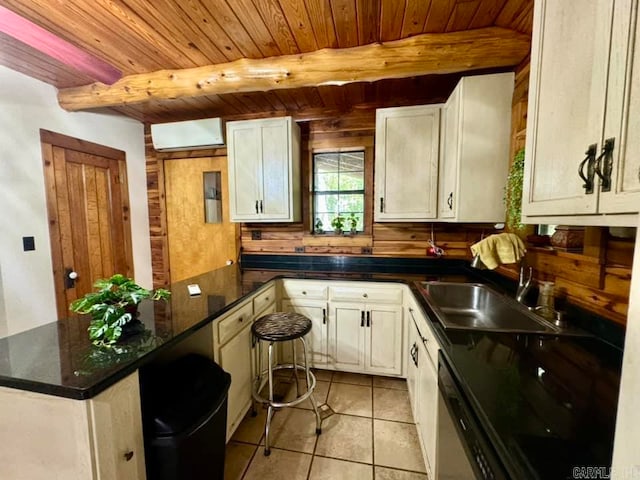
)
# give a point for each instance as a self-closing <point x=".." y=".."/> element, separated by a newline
<point x="28" y="244"/>
<point x="299" y="249"/>
<point x="366" y="250"/>
<point x="256" y="235"/>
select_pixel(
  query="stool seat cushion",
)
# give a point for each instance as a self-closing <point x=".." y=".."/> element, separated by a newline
<point x="281" y="326"/>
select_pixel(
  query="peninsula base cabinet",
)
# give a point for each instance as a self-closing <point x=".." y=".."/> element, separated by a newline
<point x="54" y="438"/>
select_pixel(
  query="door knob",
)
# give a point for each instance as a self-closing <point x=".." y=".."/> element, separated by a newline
<point x="70" y="278"/>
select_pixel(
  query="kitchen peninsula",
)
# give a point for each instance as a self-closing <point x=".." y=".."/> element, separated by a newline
<point x="559" y="384"/>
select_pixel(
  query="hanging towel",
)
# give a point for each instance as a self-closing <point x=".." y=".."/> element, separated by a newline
<point x="499" y="249"/>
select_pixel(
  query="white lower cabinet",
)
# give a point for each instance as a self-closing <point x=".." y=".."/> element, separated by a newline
<point x="236" y="359"/>
<point x="422" y="379"/>
<point x="366" y="337"/>
<point x="316" y="339"/>
<point x="49" y="437"/>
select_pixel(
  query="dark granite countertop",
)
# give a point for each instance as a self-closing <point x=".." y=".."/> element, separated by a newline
<point x="547" y="403"/>
<point x="58" y="359"/>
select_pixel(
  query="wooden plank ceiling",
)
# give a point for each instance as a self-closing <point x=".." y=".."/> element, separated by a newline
<point x="140" y="36"/>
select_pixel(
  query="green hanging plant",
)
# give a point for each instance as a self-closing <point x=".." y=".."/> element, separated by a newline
<point x="513" y="192"/>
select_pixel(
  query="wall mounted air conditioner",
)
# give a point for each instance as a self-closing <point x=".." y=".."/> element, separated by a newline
<point x="189" y="135"/>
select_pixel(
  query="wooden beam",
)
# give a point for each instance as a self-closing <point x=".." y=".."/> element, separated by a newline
<point x="424" y="54"/>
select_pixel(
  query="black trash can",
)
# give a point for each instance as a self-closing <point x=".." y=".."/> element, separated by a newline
<point x="184" y="412"/>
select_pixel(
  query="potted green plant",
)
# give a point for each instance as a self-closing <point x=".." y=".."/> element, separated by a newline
<point x="338" y="224"/>
<point x="353" y="223"/>
<point x="113" y="306"/>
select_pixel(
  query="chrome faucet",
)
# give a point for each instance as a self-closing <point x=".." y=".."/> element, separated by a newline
<point x="524" y="284"/>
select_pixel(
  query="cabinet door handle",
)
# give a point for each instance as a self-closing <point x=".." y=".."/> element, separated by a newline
<point x="450" y="201"/>
<point x="257" y="211"/>
<point x="589" y="161"/>
<point x="261" y="210"/>
<point x="128" y="455"/>
<point x="605" y="172"/>
<point x="362" y="318"/>
<point x="368" y="319"/>
<point x="381" y="205"/>
<point x="324" y="316"/>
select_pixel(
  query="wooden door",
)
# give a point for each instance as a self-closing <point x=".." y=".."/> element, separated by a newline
<point x="195" y="246"/>
<point x="383" y="352"/>
<point x="623" y="113"/>
<point x="569" y="59"/>
<point x="406" y="163"/>
<point x="88" y="208"/>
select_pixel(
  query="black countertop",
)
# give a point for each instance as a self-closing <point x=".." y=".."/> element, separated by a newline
<point x="547" y="403"/>
<point x="58" y="359"/>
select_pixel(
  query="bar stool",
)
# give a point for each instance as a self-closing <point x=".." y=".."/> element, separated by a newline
<point x="282" y="327"/>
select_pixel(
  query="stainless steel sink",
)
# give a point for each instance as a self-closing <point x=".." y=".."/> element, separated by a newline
<point x="479" y="307"/>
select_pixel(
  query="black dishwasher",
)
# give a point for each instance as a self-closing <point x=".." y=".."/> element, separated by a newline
<point x="184" y="412"/>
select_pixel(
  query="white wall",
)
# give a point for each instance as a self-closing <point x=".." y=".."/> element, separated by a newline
<point x="26" y="106"/>
<point x="626" y="450"/>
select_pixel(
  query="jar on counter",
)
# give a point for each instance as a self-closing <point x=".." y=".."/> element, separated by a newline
<point x="546" y="301"/>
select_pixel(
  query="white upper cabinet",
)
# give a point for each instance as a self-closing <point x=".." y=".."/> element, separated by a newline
<point x="582" y="94"/>
<point x="406" y="163"/>
<point x="474" y="150"/>
<point x="264" y="175"/>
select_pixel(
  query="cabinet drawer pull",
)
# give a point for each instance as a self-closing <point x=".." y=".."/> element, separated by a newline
<point x="605" y="172"/>
<point x="362" y="318"/>
<point x="365" y="295"/>
<point x="450" y="201"/>
<point x="589" y="161"/>
<point x="128" y="455"/>
<point x="304" y="292"/>
<point x="240" y="319"/>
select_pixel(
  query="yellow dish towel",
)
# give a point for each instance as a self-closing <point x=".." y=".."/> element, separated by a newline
<point x="499" y="249"/>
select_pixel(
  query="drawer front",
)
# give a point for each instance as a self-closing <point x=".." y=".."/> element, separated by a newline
<point x="368" y="294"/>
<point x="304" y="289"/>
<point x="234" y="321"/>
<point x="264" y="299"/>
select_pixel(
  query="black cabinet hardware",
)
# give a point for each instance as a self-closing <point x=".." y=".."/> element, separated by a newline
<point x="128" y="455"/>
<point x="604" y="164"/>
<point x="381" y="205"/>
<point x="257" y="211"/>
<point x="589" y="161"/>
<point x="368" y="319"/>
<point x="450" y="201"/>
<point x="324" y="316"/>
<point x="261" y="210"/>
<point x="362" y="318"/>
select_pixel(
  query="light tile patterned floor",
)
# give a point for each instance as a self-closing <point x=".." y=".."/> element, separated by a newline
<point x="371" y="435"/>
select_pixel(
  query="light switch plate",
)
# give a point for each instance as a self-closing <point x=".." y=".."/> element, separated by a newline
<point x="194" y="289"/>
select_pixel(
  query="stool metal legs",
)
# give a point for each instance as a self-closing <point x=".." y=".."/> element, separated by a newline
<point x="272" y="404"/>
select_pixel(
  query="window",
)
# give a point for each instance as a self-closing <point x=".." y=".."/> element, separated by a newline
<point x="338" y="189"/>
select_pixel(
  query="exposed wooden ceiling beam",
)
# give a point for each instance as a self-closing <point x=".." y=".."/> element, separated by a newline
<point x="419" y="55"/>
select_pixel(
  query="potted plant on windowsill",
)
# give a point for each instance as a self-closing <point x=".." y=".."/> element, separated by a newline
<point x="353" y="223"/>
<point x="113" y="307"/>
<point x="338" y="224"/>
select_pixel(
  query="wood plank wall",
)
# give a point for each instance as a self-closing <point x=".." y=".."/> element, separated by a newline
<point x="597" y="279"/>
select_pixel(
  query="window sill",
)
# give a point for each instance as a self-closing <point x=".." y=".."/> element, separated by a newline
<point x="332" y="240"/>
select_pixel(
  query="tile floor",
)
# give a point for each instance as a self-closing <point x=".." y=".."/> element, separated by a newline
<point x="367" y="433"/>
